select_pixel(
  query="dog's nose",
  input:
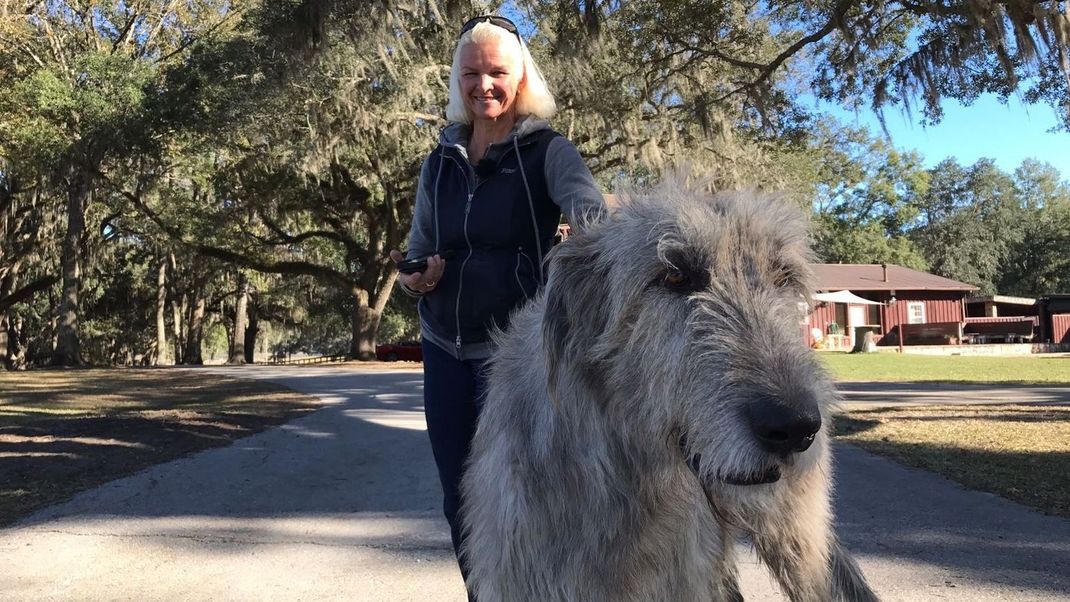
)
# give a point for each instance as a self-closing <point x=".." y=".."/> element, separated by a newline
<point x="784" y="428"/>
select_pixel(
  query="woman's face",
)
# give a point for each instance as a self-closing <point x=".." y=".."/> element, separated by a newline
<point x="490" y="79"/>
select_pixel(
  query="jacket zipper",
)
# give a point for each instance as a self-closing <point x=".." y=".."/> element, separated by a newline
<point x="460" y="282"/>
<point x="516" y="271"/>
<point x="468" y="241"/>
<point x="467" y="172"/>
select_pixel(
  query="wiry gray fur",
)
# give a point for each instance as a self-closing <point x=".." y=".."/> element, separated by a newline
<point x="578" y="487"/>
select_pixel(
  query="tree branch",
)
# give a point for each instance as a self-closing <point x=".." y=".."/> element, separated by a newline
<point x="302" y="268"/>
<point x="27" y="292"/>
<point x="285" y="238"/>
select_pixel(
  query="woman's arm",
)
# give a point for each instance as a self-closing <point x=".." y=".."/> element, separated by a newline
<point x="422" y="231"/>
<point x="422" y="237"/>
<point x="570" y="183"/>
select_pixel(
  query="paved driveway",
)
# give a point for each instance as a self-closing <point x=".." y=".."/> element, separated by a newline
<point x="342" y="505"/>
<point x="871" y="393"/>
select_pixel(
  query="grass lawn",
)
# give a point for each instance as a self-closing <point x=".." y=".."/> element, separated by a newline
<point x="1021" y="452"/>
<point x="893" y="367"/>
<point x="64" y="431"/>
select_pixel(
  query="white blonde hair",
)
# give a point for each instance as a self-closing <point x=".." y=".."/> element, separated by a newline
<point x="532" y="98"/>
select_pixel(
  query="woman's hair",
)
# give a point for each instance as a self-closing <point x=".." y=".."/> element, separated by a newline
<point x="533" y="98"/>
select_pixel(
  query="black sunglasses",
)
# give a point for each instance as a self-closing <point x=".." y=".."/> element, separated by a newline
<point x="502" y="22"/>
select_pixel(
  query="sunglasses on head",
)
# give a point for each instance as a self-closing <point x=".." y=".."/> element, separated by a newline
<point x="502" y="22"/>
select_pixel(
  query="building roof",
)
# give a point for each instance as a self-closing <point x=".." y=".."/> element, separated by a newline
<point x="842" y="297"/>
<point x="871" y="277"/>
<point x="1006" y="299"/>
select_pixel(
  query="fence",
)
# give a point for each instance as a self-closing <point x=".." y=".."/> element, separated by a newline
<point x="320" y="359"/>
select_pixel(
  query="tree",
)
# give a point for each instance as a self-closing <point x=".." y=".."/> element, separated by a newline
<point x="78" y="77"/>
<point x="970" y="221"/>
<point x="28" y="221"/>
<point x="155" y="150"/>
<point x="241" y="319"/>
<point x="863" y="192"/>
<point x="1039" y="264"/>
<point x="324" y="191"/>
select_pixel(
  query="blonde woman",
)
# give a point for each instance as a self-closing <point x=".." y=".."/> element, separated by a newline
<point x="487" y="208"/>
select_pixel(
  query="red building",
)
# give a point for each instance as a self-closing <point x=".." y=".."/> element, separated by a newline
<point x="894" y="303"/>
<point x="1054" y="314"/>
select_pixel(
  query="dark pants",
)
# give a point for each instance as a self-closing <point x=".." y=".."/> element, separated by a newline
<point x="453" y="395"/>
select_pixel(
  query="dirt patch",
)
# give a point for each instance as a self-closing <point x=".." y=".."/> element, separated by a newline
<point x="64" y="431"/>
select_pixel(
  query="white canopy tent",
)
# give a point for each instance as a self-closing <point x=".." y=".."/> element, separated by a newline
<point x="844" y="296"/>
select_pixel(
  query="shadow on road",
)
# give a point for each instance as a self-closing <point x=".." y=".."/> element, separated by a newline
<point x="365" y="457"/>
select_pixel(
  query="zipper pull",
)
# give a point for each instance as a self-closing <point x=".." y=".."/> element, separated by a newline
<point x="468" y="206"/>
<point x="458" y="343"/>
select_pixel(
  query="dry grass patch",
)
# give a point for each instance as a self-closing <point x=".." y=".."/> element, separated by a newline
<point x="1021" y="452"/>
<point x="64" y="431"/>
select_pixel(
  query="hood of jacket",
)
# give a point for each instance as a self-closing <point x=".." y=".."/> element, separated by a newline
<point x="457" y="134"/>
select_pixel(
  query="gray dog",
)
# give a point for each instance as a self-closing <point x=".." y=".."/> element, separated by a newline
<point x="654" y="404"/>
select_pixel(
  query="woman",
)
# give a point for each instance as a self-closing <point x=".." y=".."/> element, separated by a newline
<point x="487" y="209"/>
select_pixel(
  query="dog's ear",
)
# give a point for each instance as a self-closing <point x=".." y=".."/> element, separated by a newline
<point x="575" y="309"/>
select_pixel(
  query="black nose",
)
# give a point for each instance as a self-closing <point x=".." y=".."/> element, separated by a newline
<point x="783" y="427"/>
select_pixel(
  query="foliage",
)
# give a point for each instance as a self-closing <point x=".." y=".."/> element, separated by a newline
<point x="151" y="150"/>
<point x="863" y="190"/>
<point x="1040" y="264"/>
<point x="970" y="219"/>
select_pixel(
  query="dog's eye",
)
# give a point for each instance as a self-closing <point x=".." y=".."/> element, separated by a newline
<point x="783" y="277"/>
<point x="676" y="280"/>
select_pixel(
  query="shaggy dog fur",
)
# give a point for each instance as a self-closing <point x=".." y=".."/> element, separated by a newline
<point x="617" y="456"/>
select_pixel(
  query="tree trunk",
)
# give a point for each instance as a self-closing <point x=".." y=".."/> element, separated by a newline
<point x="5" y="343"/>
<point x="237" y="348"/>
<point x="365" y="322"/>
<point x="194" y="334"/>
<point x="16" y="343"/>
<point x="67" y="352"/>
<point x="250" y="334"/>
<point x="178" y="311"/>
<point x="161" y="314"/>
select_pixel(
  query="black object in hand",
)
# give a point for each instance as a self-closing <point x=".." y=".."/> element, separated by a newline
<point x="411" y="266"/>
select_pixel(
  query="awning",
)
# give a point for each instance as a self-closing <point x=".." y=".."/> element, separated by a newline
<point x="843" y="297"/>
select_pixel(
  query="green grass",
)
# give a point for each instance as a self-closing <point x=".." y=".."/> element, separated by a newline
<point x="893" y="367"/>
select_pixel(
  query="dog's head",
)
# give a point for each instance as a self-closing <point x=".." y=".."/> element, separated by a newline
<point x="680" y="314"/>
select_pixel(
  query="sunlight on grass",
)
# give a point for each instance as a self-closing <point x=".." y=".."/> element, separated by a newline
<point x="893" y="367"/>
<point x="63" y="431"/>
<point x="23" y="410"/>
<point x="1021" y="452"/>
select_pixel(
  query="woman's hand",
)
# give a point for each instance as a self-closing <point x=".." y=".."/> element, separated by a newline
<point x="424" y="282"/>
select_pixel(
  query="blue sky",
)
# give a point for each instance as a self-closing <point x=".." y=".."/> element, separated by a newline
<point x="1006" y="133"/>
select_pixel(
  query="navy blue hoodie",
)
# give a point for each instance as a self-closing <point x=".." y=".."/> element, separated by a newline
<point x="497" y="224"/>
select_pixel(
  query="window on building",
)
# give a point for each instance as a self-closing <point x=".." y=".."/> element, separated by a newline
<point x="873" y="314"/>
<point x="915" y="313"/>
<point x="841" y="317"/>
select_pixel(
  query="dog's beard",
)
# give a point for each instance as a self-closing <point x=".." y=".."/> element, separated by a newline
<point x="762" y="476"/>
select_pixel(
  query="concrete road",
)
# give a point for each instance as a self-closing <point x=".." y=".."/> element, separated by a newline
<point x="342" y="504"/>
<point x="895" y="394"/>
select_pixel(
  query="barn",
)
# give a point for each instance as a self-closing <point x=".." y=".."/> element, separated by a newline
<point x="1001" y="319"/>
<point x="898" y="305"/>
<point x="1054" y="318"/>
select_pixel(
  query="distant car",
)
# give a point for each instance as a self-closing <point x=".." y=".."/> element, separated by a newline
<point x="406" y="351"/>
